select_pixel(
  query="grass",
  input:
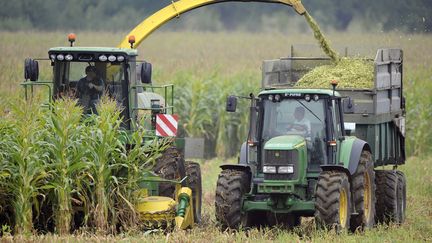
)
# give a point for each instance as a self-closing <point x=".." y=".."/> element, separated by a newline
<point x="417" y="227"/>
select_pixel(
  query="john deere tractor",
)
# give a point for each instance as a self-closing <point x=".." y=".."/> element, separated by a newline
<point x="174" y="189"/>
<point x="316" y="152"/>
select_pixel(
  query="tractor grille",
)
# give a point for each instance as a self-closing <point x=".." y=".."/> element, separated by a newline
<point x="278" y="158"/>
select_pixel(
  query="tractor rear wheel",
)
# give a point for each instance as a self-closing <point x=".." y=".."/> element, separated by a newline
<point x="363" y="186"/>
<point x="388" y="196"/>
<point x="231" y="186"/>
<point x="333" y="201"/>
<point x="193" y="173"/>
<point x="169" y="166"/>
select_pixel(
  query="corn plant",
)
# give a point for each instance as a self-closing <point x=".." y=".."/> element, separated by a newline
<point x="23" y="167"/>
<point x="67" y="163"/>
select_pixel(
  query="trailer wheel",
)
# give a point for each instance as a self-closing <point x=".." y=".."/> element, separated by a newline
<point x="231" y="186"/>
<point x="401" y="196"/>
<point x="169" y="166"/>
<point x="363" y="186"/>
<point x="388" y="196"/>
<point x="193" y="173"/>
<point x="333" y="201"/>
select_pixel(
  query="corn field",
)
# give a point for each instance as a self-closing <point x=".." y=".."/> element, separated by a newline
<point x="62" y="171"/>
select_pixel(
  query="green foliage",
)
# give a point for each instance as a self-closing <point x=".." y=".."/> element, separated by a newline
<point x="66" y="161"/>
<point x="93" y="15"/>
<point x="201" y="107"/>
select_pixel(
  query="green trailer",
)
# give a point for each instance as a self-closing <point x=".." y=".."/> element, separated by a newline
<point x="316" y="152"/>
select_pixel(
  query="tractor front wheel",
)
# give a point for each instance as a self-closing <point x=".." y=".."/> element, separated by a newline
<point x="231" y="186"/>
<point x="333" y="201"/>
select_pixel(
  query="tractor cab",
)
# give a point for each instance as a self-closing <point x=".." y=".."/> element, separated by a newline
<point x="293" y="132"/>
<point x="292" y="122"/>
<point x="90" y="73"/>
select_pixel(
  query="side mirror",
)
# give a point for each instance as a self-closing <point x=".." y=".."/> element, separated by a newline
<point x="31" y="69"/>
<point x="231" y="104"/>
<point x="146" y="73"/>
<point x="348" y="105"/>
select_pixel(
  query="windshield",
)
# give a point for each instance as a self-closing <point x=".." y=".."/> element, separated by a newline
<point x="297" y="117"/>
<point x="88" y="82"/>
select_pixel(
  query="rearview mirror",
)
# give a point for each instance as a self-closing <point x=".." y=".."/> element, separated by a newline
<point x="231" y="104"/>
<point x="146" y="73"/>
<point x="348" y="105"/>
<point x="31" y="69"/>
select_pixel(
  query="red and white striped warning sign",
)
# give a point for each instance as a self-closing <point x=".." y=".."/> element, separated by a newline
<point x="166" y="125"/>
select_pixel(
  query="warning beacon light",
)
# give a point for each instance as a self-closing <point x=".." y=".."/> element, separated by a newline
<point x="71" y="38"/>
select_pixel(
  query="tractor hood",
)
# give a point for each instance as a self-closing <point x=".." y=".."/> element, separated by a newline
<point x="285" y="142"/>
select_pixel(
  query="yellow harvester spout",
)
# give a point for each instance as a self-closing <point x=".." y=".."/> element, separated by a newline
<point x="150" y="24"/>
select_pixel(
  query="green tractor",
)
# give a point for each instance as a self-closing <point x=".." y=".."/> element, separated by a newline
<point x="128" y="81"/>
<point x="315" y="152"/>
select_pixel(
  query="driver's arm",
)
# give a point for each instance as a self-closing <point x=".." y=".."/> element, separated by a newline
<point x="100" y="86"/>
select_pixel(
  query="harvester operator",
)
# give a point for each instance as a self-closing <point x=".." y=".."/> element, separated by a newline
<point x="90" y="89"/>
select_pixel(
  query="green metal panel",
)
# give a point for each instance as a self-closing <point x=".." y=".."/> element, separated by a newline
<point x="129" y="52"/>
<point x="300" y="91"/>
<point x="286" y="142"/>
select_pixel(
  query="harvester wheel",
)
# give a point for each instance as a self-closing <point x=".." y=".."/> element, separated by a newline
<point x="231" y="186"/>
<point x="333" y="201"/>
<point x="193" y="172"/>
<point x="169" y="166"/>
<point x="401" y="196"/>
<point x="363" y="184"/>
<point x="388" y="196"/>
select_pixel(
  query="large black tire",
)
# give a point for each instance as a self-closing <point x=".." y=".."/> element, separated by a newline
<point x="387" y="205"/>
<point x="333" y="201"/>
<point x="363" y="186"/>
<point x="401" y="196"/>
<point x="193" y="173"/>
<point x="169" y="166"/>
<point x="231" y="186"/>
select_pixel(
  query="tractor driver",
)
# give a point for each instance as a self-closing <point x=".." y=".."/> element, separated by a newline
<point x="300" y="124"/>
<point x="90" y="89"/>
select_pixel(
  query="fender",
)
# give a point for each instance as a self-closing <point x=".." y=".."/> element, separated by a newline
<point x="150" y="24"/>
<point x="243" y="158"/>
<point x="351" y="149"/>
<point x="238" y="167"/>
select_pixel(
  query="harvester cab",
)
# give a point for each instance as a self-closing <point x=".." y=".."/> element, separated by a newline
<point x="172" y="193"/>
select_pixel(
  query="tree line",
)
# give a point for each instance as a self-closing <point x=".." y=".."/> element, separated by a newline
<point x="113" y="15"/>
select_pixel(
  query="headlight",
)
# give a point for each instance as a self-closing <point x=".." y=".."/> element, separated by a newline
<point x="103" y="58"/>
<point x="307" y="98"/>
<point x="286" y="169"/>
<point x="316" y="97"/>
<point x="112" y="58"/>
<point x="269" y="169"/>
<point x="68" y="57"/>
<point x="277" y="98"/>
<point x="270" y="97"/>
<point x="53" y="57"/>
<point x="60" y="57"/>
<point x="120" y="58"/>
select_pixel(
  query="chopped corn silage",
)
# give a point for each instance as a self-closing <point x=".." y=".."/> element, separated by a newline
<point x="349" y="72"/>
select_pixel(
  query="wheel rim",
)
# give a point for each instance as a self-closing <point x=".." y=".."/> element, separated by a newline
<point x="367" y="195"/>
<point x="343" y="207"/>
